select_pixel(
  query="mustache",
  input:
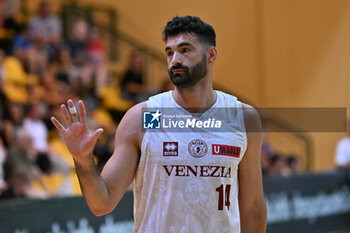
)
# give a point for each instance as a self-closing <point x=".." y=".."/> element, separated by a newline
<point x="185" y="68"/>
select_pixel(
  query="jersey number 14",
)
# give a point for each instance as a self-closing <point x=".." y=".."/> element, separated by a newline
<point x="224" y="195"/>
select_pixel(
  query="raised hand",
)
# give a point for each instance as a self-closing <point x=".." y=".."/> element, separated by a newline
<point x="79" y="141"/>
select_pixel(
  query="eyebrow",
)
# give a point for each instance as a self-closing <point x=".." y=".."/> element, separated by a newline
<point x="180" y="45"/>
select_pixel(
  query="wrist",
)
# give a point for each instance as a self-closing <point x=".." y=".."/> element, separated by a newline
<point x="84" y="161"/>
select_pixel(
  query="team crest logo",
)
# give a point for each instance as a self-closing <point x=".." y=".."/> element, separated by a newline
<point x="151" y="120"/>
<point x="170" y="148"/>
<point x="197" y="148"/>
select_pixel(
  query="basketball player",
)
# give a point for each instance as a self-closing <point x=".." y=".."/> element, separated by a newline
<point x="197" y="181"/>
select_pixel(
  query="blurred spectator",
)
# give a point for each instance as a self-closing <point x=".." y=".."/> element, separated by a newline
<point x="265" y="163"/>
<point x="278" y="166"/>
<point x="55" y="179"/>
<point x="43" y="162"/>
<point x="293" y="163"/>
<point x="86" y="69"/>
<point x="47" y="29"/>
<point x="13" y="79"/>
<point x="10" y="26"/>
<point x="66" y="71"/>
<point x="342" y="152"/>
<point x="266" y="154"/>
<point x="97" y="56"/>
<point x="20" y="169"/>
<point x="133" y="84"/>
<point x="66" y="180"/>
<point x="77" y="44"/>
<point x="33" y="58"/>
<point x="18" y="184"/>
<point x="96" y="48"/>
<point x="13" y="121"/>
<point x="275" y="165"/>
<point x="57" y="89"/>
<point x="35" y="127"/>
<point x="35" y="90"/>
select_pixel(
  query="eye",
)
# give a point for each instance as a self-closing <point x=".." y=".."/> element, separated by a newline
<point x="169" y="53"/>
<point x="185" y="50"/>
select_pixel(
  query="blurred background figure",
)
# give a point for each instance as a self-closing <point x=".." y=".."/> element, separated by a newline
<point x="10" y="24"/>
<point x="97" y="59"/>
<point x="65" y="71"/>
<point x="35" y="127"/>
<point x="342" y="151"/>
<point x="266" y="154"/>
<point x="12" y="121"/>
<point x="56" y="89"/>
<point x="20" y="169"/>
<point x="86" y="66"/>
<point x="77" y="45"/>
<point x="133" y="84"/>
<point x="13" y="79"/>
<point x="32" y="57"/>
<point x="275" y="165"/>
<point x="294" y="164"/>
<point x="47" y="29"/>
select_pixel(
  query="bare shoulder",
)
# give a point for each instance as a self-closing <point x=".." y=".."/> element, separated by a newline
<point x="130" y="127"/>
<point x="251" y="119"/>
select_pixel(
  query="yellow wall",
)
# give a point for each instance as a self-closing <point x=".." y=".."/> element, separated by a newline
<point x="274" y="53"/>
<point x="306" y="60"/>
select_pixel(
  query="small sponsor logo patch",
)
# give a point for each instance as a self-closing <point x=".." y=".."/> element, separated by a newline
<point x="197" y="148"/>
<point x="152" y="120"/>
<point x="226" y="150"/>
<point x="170" y="148"/>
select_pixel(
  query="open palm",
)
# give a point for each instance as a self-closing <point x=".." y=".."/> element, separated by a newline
<point x="79" y="141"/>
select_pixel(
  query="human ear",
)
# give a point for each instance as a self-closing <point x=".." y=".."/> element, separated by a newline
<point x="212" y="54"/>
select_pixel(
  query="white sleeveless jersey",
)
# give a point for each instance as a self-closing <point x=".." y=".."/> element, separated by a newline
<point x="186" y="182"/>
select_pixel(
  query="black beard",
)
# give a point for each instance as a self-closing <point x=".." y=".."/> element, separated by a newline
<point x="191" y="75"/>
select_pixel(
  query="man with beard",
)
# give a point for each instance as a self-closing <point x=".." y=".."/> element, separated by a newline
<point x="199" y="179"/>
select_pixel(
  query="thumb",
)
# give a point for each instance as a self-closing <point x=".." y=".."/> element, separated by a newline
<point x="97" y="134"/>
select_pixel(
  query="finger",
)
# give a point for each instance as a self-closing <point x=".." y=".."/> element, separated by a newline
<point x="82" y="112"/>
<point x="65" y="115"/>
<point x="97" y="134"/>
<point x="58" y="125"/>
<point x="73" y="111"/>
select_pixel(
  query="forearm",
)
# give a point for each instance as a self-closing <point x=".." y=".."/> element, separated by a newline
<point x="93" y="187"/>
<point x="254" y="221"/>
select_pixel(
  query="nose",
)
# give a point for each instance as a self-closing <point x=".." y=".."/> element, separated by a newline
<point x="176" y="59"/>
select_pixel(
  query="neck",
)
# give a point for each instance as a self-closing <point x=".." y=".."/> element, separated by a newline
<point x="201" y="96"/>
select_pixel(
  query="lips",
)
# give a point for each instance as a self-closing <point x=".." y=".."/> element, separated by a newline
<point x="176" y="71"/>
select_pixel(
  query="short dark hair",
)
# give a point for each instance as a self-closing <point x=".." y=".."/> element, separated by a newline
<point x="192" y="25"/>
